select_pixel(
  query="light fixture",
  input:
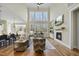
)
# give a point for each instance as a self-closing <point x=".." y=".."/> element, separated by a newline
<point x="38" y="5"/>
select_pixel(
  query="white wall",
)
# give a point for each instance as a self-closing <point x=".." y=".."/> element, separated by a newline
<point x="13" y="13"/>
<point x="55" y="11"/>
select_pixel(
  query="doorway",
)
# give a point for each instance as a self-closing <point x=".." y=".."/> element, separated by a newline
<point x="75" y="28"/>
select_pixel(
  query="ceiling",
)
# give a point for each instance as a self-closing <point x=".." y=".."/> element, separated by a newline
<point x="34" y="5"/>
<point x="18" y="11"/>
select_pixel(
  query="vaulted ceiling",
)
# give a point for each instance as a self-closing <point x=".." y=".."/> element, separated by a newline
<point x="18" y="11"/>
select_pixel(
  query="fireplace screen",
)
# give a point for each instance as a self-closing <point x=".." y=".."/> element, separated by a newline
<point x="59" y="35"/>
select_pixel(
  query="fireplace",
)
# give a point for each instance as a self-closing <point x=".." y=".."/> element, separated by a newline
<point x="59" y="35"/>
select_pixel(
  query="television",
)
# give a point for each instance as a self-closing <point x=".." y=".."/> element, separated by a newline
<point x="59" y="20"/>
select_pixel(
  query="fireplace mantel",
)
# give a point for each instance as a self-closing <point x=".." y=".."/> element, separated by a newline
<point x="62" y="28"/>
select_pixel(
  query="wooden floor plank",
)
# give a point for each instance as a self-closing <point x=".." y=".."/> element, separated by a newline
<point x="64" y="50"/>
<point x="59" y="51"/>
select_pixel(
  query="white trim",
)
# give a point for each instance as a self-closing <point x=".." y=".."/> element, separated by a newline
<point x="74" y="7"/>
<point x="63" y="43"/>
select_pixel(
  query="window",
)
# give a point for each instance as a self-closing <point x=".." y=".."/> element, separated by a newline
<point x="38" y="20"/>
<point x="38" y="16"/>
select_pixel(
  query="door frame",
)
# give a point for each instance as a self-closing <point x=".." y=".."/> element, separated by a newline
<point x="71" y="21"/>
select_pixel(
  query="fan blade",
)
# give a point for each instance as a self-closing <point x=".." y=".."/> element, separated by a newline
<point x="39" y="3"/>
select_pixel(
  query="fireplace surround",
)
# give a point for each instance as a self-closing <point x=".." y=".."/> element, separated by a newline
<point x="59" y="35"/>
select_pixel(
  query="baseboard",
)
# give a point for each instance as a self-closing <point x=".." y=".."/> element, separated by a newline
<point x="63" y="44"/>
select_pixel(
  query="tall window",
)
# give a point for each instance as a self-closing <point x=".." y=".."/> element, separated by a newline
<point x="38" y="16"/>
<point x="38" y="20"/>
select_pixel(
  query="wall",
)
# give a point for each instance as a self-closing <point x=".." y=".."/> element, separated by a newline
<point x="11" y="15"/>
<point x="55" y="11"/>
<point x="4" y="23"/>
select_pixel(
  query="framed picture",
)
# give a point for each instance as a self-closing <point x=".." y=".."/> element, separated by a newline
<point x="59" y="20"/>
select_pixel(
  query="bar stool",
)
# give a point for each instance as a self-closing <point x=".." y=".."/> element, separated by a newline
<point x="13" y="37"/>
<point x="8" y="40"/>
<point x="2" y="41"/>
<point x="11" y="40"/>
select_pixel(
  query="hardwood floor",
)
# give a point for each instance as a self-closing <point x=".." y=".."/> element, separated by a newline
<point x="59" y="51"/>
<point x="10" y="52"/>
<point x="64" y="51"/>
<point x="54" y="53"/>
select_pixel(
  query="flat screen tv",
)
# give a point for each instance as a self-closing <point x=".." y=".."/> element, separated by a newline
<point x="59" y="20"/>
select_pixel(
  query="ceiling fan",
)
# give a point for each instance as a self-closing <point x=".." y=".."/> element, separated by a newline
<point x="38" y="4"/>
